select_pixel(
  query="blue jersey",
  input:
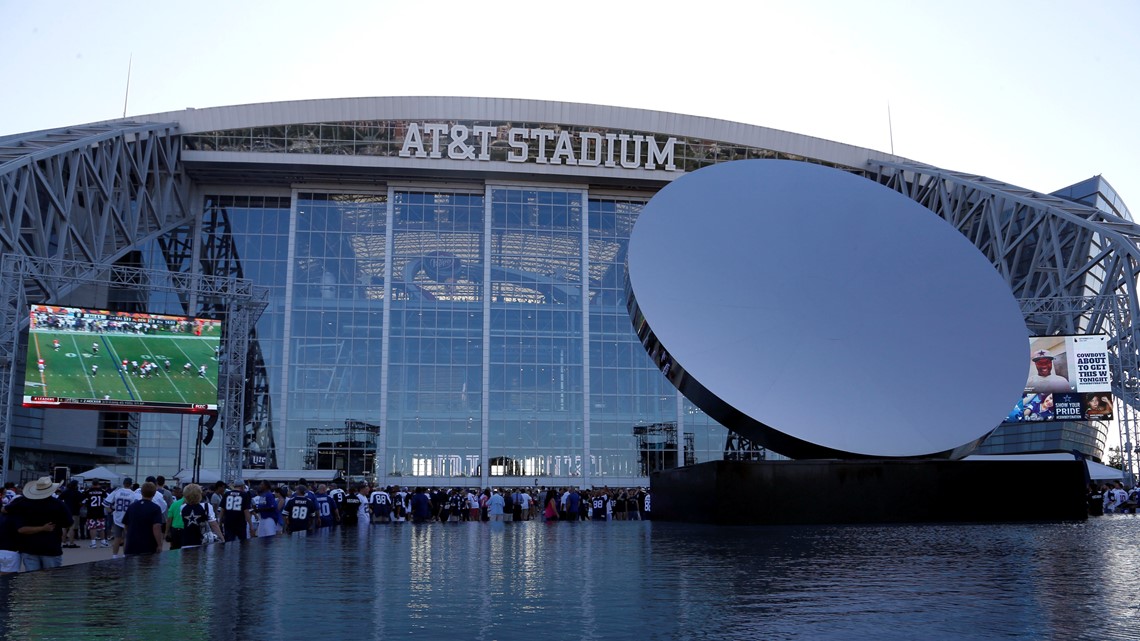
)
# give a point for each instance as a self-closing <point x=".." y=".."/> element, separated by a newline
<point x="266" y="506"/>
<point x="325" y="507"/>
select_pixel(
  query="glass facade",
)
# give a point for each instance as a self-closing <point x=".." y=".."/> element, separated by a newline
<point x="435" y="344"/>
<point x="483" y="332"/>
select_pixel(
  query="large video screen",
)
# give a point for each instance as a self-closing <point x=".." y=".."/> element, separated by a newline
<point x="1068" y="380"/>
<point x="131" y="362"/>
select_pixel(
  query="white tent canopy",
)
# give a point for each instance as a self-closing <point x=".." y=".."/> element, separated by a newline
<point x="1097" y="471"/>
<point x="100" y="473"/>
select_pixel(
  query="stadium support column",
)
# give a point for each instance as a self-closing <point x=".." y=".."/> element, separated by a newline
<point x="232" y="383"/>
<point x="587" y="457"/>
<point x="12" y="306"/>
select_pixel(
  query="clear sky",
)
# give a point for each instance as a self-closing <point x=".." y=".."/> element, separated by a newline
<point x="1037" y="93"/>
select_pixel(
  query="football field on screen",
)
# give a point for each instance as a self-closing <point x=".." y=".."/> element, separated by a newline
<point x="68" y="370"/>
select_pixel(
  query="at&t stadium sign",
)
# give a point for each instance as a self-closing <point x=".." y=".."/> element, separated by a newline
<point x="436" y="140"/>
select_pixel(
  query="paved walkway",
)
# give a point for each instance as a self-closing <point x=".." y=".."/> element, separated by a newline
<point x="85" y="554"/>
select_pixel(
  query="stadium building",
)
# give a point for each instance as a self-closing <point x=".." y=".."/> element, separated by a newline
<point x="440" y="282"/>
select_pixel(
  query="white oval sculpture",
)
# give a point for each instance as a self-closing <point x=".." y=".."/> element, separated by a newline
<point x="823" y="315"/>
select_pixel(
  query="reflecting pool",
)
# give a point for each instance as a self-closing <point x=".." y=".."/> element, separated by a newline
<point x="618" y="580"/>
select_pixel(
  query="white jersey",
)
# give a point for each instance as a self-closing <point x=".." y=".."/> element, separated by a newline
<point x="119" y="501"/>
<point x="157" y="500"/>
<point x="9" y="496"/>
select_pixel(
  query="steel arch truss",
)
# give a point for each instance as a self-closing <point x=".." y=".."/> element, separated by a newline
<point x="210" y="250"/>
<point x="241" y="301"/>
<point x="1073" y="267"/>
<point x="73" y="202"/>
<point x="89" y="194"/>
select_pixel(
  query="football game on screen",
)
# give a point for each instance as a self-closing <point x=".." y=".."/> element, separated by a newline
<point x="95" y="359"/>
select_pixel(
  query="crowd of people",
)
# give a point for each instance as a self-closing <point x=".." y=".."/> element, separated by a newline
<point x="43" y="518"/>
<point x="1112" y="498"/>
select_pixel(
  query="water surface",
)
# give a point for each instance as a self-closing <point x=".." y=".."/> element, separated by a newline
<point x="619" y="580"/>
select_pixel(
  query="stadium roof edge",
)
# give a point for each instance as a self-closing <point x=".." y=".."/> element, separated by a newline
<point x="428" y="108"/>
<point x="18" y="150"/>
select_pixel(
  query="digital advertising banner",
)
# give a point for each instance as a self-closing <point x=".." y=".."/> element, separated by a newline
<point x="1068" y="380"/>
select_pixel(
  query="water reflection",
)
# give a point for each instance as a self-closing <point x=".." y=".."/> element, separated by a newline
<point x="607" y="581"/>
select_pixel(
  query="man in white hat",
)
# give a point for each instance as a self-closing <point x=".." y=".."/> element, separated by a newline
<point x="40" y="521"/>
<point x="1045" y="381"/>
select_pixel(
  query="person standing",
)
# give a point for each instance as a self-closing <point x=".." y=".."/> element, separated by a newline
<point x="456" y="503"/>
<point x="484" y="498"/>
<point x="236" y="504"/>
<point x="326" y="508"/>
<point x="96" y="514"/>
<point x="350" y="507"/>
<point x="508" y="505"/>
<point x="198" y="518"/>
<point x="1095" y="500"/>
<point x="282" y="494"/>
<point x="598" y="504"/>
<point x="215" y="498"/>
<point x="495" y="505"/>
<point x="9" y="493"/>
<point x="268" y="513"/>
<point x="472" y="506"/>
<point x="119" y="501"/>
<point x="300" y="511"/>
<point x="9" y="546"/>
<point x="73" y="499"/>
<point x="40" y="520"/>
<point x="174" y="522"/>
<point x="337" y="493"/>
<point x="381" y="505"/>
<point x="363" y="492"/>
<point x="166" y="494"/>
<point x="158" y="498"/>
<point x="617" y="505"/>
<point x="142" y="523"/>
<point x="1117" y="497"/>
<point x="550" y="513"/>
<point x="421" y="506"/>
<point x="573" y="505"/>
<point x="399" y="504"/>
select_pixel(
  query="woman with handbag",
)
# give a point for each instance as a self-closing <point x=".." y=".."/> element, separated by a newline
<point x="198" y="519"/>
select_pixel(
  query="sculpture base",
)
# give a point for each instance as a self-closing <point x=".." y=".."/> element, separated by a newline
<point x="870" y="491"/>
